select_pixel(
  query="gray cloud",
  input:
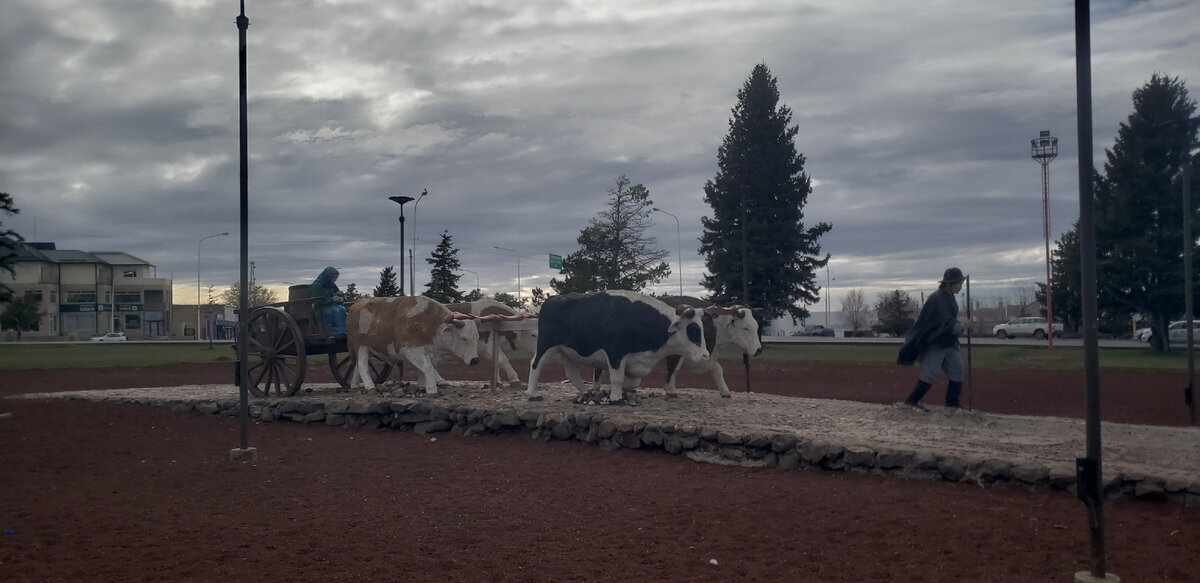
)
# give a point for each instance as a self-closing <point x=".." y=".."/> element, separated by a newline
<point x="119" y="127"/>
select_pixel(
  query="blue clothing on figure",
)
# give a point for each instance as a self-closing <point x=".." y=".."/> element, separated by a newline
<point x="329" y="311"/>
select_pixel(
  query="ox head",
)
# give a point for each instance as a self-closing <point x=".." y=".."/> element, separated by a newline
<point x="459" y="335"/>
<point x="737" y="326"/>
<point x="687" y="334"/>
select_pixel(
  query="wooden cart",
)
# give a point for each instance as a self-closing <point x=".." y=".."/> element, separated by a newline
<point x="284" y="335"/>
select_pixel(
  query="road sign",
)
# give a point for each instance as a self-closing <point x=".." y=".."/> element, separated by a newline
<point x="555" y="261"/>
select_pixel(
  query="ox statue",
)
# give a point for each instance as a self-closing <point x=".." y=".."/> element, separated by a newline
<point x="412" y="329"/>
<point x="509" y="341"/>
<point x="734" y="326"/>
<point x="624" y="331"/>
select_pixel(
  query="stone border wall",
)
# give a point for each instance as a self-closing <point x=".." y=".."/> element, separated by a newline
<point x="784" y="451"/>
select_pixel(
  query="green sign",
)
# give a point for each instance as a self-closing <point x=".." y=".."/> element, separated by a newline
<point x="555" y="261"/>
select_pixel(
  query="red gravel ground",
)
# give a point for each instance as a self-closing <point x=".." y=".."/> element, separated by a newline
<point x="119" y="492"/>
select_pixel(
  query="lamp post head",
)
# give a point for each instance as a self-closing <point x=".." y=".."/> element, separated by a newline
<point x="400" y="200"/>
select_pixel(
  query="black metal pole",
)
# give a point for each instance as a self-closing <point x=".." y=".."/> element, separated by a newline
<point x="243" y="23"/>
<point x="970" y="365"/>
<point x="1089" y="470"/>
<point x="401" y="249"/>
<point x="243" y="295"/>
<point x="1188" y="281"/>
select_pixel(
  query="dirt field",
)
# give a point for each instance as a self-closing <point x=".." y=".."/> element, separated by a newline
<point x="115" y="492"/>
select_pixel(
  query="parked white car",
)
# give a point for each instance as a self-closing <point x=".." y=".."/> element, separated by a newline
<point x="1029" y="326"/>
<point x="1142" y="334"/>
<point x="110" y="337"/>
<point x="1177" y="331"/>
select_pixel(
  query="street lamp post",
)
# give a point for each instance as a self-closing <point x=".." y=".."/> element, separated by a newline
<point x="679" y="244"/>
<point x="412" y="261"/>
<point x="518" y="269"/>
<point x="827" y="297"/>
<point x="1045" y="149"/>
<point x="400" y="200"/>
<point x="198" y="279"/>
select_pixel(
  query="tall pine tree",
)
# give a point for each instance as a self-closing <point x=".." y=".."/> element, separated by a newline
<point x="614" y="250"/>
<point x="443" y="276"/>
<point x="1139" y="231"/>
<point x="387" y="287"/>
<point x="756" y="247"/>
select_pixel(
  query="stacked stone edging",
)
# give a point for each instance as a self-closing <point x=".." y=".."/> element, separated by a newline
<point x="785" y="450"/>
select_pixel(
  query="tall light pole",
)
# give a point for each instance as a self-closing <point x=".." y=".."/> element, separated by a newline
<point x="518" y="269"/>
<point x="400" y="200"/>
<point x="827" y="280"/>
<point x="412" y="262"/>
<point x="1045" y="149"/>
<point x="678" y="242"/>
<point x="1185" y="161"/>
<point x="203" y="239"/>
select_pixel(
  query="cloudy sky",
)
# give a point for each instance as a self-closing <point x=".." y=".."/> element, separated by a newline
<point x="119" y="127"/>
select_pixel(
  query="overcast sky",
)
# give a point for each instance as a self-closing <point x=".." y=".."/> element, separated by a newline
<point x="119" y="127"/>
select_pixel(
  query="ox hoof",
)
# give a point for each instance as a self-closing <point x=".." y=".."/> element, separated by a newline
<point x="727" y="396"/>
<point x="671" y="396"/>
<point x="535" y="398"/>
<point x="371" y="392"/>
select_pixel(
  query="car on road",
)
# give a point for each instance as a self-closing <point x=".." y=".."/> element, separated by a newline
<point x="814" y="330"/>
<point x="1177" y="331"/>
<point x="1028" y="326"/>
<point x="110" y="337"/>
<point x="1142" y="334"/>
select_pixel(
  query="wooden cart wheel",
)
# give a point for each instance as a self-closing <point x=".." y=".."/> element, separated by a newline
<point x="276" y="349"/>
<point x="343" y="368"/>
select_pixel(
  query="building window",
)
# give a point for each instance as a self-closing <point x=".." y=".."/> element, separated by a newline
<point x="126" y="297"/>
<point x="35" y="295"/>
<point x="133" y="322"/>
<point x="81" y="297"/>
<point x="129" y="273"/>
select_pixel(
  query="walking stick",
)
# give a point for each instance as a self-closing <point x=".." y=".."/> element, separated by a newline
<point x="970" y="392"/>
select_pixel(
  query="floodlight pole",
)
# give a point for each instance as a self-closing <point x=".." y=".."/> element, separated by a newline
<point x="1044" y="150"/>
<point x="1185" y="161"/>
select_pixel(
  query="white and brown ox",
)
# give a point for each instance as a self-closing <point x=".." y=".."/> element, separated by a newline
<point x="624" y="331"/>
<point x="412" y="329"/>
<point x="734" y="326"/>
<point x="509" y="341"/>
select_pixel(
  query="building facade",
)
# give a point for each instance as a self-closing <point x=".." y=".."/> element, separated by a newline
<point x="84" y="293"/>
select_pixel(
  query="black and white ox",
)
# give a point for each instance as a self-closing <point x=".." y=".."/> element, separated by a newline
<point x="734" y="326"/>
<point x="509" y="341"/>
<point x="624" y="331"/>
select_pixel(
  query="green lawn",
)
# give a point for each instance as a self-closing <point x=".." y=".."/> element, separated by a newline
<point x="44" y="356"/>
<point x="49" y="356"/>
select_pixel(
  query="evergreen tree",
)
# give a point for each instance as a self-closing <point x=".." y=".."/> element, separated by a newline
<point x="21" y="314"/>
<point x="756" y="247"/>
<point x="1139" y="263"/>
<point x="509" y="300"/>
<point x="258" y="296"/>
<point x="538" y="296"/>
<point x="1064" y="267"/>
<point x="896" y="312"/>
<point x="387" y="287"/>
<point x="9" y="240"/>
<point x="443" y="277"/>
<point x="475" y="294"/>
<point x="351" y="293"/>
<point x="614" y="250"/>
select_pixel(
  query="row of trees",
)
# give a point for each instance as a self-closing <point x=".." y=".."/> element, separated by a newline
<point x="1139" y="218"/>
